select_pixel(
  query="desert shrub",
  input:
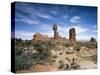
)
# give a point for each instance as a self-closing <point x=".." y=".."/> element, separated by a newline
<point x="68" y="44"/>
<point x="75" y="66"/>
<point x="19" y="50"/>
<point x="93" y="58"/>
<point x="22" y="62"/>
<point x="20" y="45"/>
<point x="91" y="45"/>
<point x="60" y="61"/>
<point x="28" y="43"/>
<point x="19" y="42"/>
<point x="53" y="60"/>
<point x="39" y="45"/>
<point x="60" y="53"/>
<point x="77" y="48"/>
<point x="55" y="56"/>
<point x="69" y="52"/>
<point x="41" y="56"/>
<point x="61" y="66"/>
<point x="87" y="44"/>
<point x="51" y="44"/>
<point x="43" y="53"/>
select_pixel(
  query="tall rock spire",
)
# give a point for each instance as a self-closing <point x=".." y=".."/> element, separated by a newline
<point x="55" y="30"/>
<point x="56" y="34"/>
<point x="72" y="35"/>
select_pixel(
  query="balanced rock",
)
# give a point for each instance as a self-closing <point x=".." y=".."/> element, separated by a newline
<point x="56" y="34"/>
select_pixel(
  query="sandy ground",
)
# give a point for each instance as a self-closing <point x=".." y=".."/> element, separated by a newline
<point x="45" y="68"/>
<point x="84" y="63"/>
<point x="87" y="65"/>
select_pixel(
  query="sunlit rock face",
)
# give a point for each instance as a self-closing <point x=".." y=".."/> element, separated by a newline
<point x="56" y="34"/>
<point x="72" y="35"/>
<point x="39" y="36"/>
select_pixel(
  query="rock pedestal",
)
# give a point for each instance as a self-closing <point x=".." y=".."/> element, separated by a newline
<point x="72" y="35"/>
<point x="56" y="34"/>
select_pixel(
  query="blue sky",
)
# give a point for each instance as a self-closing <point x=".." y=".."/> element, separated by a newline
<point x="33" y="17"/>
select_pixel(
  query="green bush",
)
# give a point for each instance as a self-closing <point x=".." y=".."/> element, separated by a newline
<point x="68" y="44"/>
<point x="91" y="45"/>
<point x="51" y="44"/>
<point x="93" y="58"/>
<point x="87" y="44"/>
<point x="75" y="66"/>
<point x="77" y="48"/>
<point x="60" y="61"/>
<point x="61" y="66"/>
<point x="23" y="63"/>
<point x="43" y="53"/>
<point x="69" y="52"/>
<point x="55" y="56"/>
<point x="60" y="53"/>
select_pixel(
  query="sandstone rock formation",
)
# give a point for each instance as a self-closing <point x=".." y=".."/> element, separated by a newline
<point x="92" y="40"/>
<point x="72" y="35"/>
<point x="56" y="34"/>
<point x="39" y="36"/>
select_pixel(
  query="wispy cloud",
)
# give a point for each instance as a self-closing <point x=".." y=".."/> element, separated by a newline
<point x="65" y="16"/>
<point x="53" y="12"/>
<point x="75" y="19"/>
<point x="24" y="35"/>
<point x="45" y="16"/>
<point x="28" y="21"/>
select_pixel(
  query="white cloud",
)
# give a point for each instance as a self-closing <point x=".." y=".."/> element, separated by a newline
<point x="39" y="13"/>
<point x="75" y="19"/>
<point x="42" y="15"/>
<point x="27" y="21"/>
<point x="53" y="12"/>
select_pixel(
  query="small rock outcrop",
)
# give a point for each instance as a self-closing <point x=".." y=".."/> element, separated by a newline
<point x="92" y="40"/>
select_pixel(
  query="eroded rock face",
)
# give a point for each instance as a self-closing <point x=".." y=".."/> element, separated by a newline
<point x="92" y="40"/>
<point x="56" y="34"/>
<point x="72" y="35"/>
<point x="39" y="36"/>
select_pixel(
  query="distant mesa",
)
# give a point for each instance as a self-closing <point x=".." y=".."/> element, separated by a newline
<point x="39" y="36"/>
